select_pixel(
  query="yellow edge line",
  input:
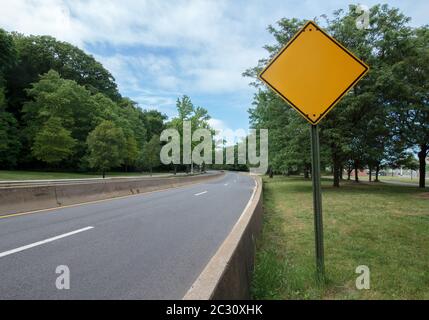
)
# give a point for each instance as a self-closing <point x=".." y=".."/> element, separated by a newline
<point x="88" y="202"/>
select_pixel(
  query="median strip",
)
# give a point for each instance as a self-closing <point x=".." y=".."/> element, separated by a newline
<point x="35" y="244"/>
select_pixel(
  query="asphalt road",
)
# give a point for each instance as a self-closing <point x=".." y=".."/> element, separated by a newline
<point x="148" y="246"/>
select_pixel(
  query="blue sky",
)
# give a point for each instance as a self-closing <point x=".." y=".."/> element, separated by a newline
<point x="158" y="50"/>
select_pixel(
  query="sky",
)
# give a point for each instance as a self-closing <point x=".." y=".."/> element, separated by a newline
<point x="158" y="50"/>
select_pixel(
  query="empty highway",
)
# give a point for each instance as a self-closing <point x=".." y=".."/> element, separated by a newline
<point x="147" y="246"/>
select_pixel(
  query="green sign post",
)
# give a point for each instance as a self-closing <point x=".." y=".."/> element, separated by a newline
<point x="317" y="202"/>
<point x="312" y="73"/>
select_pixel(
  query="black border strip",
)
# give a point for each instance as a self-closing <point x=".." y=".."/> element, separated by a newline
<point x="366" y="68"/>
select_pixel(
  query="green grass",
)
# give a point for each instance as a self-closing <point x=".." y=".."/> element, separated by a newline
<point x="385" y="227"/>
<point x="415" y="179"/>
<point x="6" y="175"/>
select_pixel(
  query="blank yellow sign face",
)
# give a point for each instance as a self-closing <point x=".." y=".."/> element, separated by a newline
<point x="312" y="72"/>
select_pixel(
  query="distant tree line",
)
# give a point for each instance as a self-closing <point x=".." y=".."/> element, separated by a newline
<point x="61" y="109"/>
<point x="382" y="122"/>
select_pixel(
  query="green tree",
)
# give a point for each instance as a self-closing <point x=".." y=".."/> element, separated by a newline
<point x="39" y="54"/>
<point x="131" y="152"/>
<point x="53" y="143"/>
<point x="198" y="116"/>
<point x="8" y="54"/>
<point x="9" y="135"/>
<point x="53" y="96"/>
<point x="357" y="132"/>
<point x="406" y="86"/>
<point x="106" y="147"/>
<point x="153" y="122"/>
<point x="42" y="78"/>
<point x="150" y="154"/>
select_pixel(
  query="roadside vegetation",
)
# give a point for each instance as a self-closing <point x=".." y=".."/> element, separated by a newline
<point x="61" y="110"/>
<point x="381" y="123"/>
<point x="384" y="227"/>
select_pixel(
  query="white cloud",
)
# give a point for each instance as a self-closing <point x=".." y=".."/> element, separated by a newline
<point x="158" y="50"/>
<point x="210" y="43"/>
<point x="223" y="131"/>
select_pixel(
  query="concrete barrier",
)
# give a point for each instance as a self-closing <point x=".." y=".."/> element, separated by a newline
<point x="228" y="274"/>
<point x="30" y="198"/>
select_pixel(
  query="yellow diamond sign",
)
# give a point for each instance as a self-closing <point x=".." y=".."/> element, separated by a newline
<point x="313" y="72"/>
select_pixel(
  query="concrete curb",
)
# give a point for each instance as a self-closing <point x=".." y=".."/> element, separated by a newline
<point x="228" y="274"/>
<point x="32" y="198"/>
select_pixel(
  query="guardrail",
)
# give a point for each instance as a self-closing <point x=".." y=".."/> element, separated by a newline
<point x="38" y="197"/>
<point x="25" y="183"/>
<point x="228" y="274"/>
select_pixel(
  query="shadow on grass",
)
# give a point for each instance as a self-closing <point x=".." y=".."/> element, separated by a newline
<point x="299" y="184"/>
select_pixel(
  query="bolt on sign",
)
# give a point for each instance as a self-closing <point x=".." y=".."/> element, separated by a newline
<point x="313" y="72"/>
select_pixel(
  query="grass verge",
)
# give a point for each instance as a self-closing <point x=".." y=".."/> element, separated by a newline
<point x="385" y="227"/>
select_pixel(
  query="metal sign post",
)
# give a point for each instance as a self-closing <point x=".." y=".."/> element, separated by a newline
<point x="312" y="72"/>
<point x="317" y="202"/>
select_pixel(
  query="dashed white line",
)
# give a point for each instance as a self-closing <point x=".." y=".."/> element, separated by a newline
<point x="198" y="194"/>
<point x="35" y="244"/>
<point x="226" y="184"/>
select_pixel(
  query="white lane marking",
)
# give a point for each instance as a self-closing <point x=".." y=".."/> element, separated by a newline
<point x="35" y="244"/>
<point x="226" y="184"/>
<point x="198" y="194"/>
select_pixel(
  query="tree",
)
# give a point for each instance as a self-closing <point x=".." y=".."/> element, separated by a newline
<point x="9" y="135"/>
<point x="153" y="122"/>
<point x="198" y="117"/>
<point x="357" y="132"/>
<point x="8" y="54"/>
<point x="53" y="143"/>
<point x="149" y="157"/>
<point x="53" y="96"/>
<point x="406" y="85"/>
<point x="39" y="54"/>
<point x="106" y="147"/>
<point x="42" y="78"/>
<point x="131" y="152"/>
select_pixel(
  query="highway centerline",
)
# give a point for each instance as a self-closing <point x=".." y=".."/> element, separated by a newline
<point x="35" y="244"/>
<point x="199" y="194"/>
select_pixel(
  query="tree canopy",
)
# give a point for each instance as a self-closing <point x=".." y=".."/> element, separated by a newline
<point x="382" y="117"/>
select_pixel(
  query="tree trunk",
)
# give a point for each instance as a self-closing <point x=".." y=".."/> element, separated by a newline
<point x="370" y="174"/>
<point x="151" y="171"/>
<point x="306" y="172"/>
<point x="104" y="174"/>
<point x="377" y="171"/>
<point x="270" y="170"/>
<point x="175" y="169"/>
<point x="336" y="169"/>
<point x="349" y="173"/>
<point x="422" y="165"/>
<point x="356" y="171"/>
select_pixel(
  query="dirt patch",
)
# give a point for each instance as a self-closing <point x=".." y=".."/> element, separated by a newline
<point x="424" y="195"/>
